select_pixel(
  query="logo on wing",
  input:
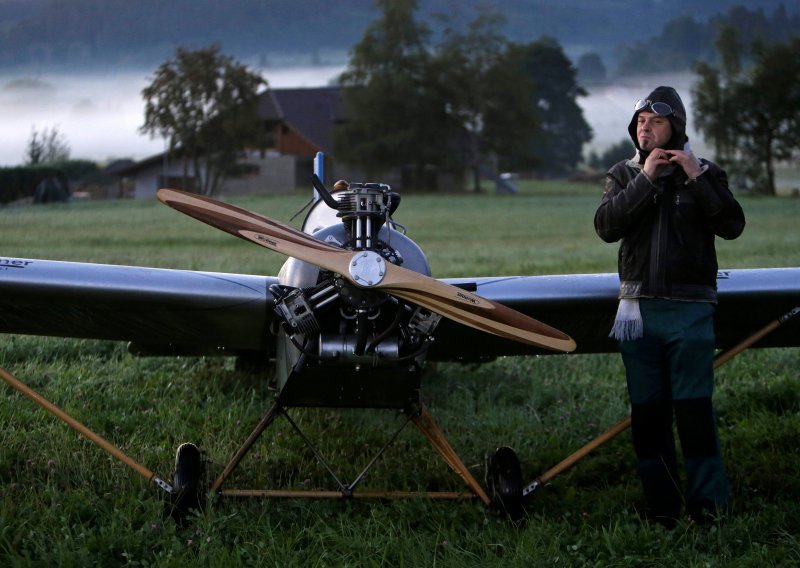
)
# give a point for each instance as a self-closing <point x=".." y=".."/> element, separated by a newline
<point x="6" y="263"/>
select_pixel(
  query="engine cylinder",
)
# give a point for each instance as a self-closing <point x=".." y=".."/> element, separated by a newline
<point x="342" y="349"/>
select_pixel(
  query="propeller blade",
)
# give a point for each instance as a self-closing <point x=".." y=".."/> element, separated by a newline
<point x="258" y="229"/>
<point x="491" y="317"/>
<point x="449" y="301"/>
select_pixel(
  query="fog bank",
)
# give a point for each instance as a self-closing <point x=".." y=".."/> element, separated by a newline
<point x="100" y="115"/>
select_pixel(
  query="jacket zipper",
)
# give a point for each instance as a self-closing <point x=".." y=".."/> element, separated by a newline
<point x="657" y="272"/>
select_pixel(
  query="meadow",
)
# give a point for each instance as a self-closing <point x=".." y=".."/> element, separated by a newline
<point x="64" y="502"/>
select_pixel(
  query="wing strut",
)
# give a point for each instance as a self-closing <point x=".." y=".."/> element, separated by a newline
<point x="623" y="425"/>
<point x="424" y="421"/>
<point x="98" y="440"/>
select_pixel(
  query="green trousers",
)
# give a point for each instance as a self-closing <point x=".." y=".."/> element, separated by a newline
<point x="670" y="374"/>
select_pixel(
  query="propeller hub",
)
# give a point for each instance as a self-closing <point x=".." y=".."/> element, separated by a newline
<point x="367" y="268"/>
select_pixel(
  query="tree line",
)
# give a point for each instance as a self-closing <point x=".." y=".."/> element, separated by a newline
<point x="140" y="34"/>
<point x="470" y="98"/>
<point x="685" y="40"/>
<point x="467" y="97"/>
<point x="47" y="171"/>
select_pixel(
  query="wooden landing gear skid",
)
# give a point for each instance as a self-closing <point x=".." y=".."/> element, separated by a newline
<point x="421" y="418"/>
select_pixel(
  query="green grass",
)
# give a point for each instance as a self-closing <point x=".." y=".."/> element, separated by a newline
<point x="65" y="502"/>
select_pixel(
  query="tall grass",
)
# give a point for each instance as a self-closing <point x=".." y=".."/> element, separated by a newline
<point x="65" y="502"/>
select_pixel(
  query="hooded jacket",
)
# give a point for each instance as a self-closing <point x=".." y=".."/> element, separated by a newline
<point x="666" y="227"/>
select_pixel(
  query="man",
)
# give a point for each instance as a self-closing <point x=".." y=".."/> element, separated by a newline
<point x="665" y="207"/>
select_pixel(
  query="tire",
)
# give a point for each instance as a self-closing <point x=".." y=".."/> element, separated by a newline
<point x="504" y="478"/>
<point x="187" y="484"/>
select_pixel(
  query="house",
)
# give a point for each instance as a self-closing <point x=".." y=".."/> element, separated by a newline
<point x="299" y="123"/>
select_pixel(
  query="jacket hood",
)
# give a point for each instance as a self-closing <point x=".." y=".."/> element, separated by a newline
<point x="677" y="119"/>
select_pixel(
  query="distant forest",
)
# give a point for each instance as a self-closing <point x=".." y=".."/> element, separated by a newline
<point x="622" y="36"/>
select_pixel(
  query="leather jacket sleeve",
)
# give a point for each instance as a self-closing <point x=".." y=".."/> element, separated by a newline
<point x="624" y="202"/>
<point x="724" y="214"/>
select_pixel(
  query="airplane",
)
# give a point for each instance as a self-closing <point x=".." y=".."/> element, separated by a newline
<point x="349" y="322"/>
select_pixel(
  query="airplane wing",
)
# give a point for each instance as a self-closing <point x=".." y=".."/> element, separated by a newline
<point x="584" y="306"/>
<point x="160" y="311"/>
<point x="163" y="311"/>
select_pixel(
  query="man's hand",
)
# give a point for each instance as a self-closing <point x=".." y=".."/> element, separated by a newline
<point x="685" y="159"/>
<point x="656" y="161"/>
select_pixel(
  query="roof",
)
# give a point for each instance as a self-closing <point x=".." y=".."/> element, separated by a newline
<point x="134" y="167"/>
<point x="312" y="112"/>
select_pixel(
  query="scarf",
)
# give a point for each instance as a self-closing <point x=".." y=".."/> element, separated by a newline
<point x="628" y="324"/>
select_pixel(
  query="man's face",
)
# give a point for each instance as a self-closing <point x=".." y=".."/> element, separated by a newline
<point x="652" y="130"/>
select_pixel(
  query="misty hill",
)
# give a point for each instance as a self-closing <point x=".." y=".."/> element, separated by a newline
<point x="142" y="34"/>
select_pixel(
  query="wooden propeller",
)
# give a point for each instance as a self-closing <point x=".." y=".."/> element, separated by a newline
<point x="368" y="270"/>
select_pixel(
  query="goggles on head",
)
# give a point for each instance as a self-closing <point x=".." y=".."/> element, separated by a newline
<point x="661" y="109"/>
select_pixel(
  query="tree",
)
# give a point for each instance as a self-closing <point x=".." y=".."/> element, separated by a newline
<point x="471" y="99"/>
<point x="591" y="69"/>
<point x="487" y="95"/>
<point x="46" y="147"/>
<point x="711" y="104"/>
<point x="396" y="110"/>
<point x="557" y="143"/>
<point x="206" y="105"/>
<point x="622" y="150"/>
<point x="750" y="114"/>
<point x="682" y="41"/>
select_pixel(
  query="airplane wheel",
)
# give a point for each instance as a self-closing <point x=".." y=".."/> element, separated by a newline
<point x="187" y="486"/>
<point x="505" y="482"/>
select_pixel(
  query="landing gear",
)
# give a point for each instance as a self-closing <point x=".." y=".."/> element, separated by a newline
<point x="504" y="478"/>
<point x="187" y="486"/>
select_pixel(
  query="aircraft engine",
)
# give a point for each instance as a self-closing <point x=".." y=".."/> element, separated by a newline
<point x="328" y="323"/>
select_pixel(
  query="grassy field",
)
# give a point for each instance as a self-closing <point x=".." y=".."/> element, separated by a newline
<point x="65" y="502"/>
